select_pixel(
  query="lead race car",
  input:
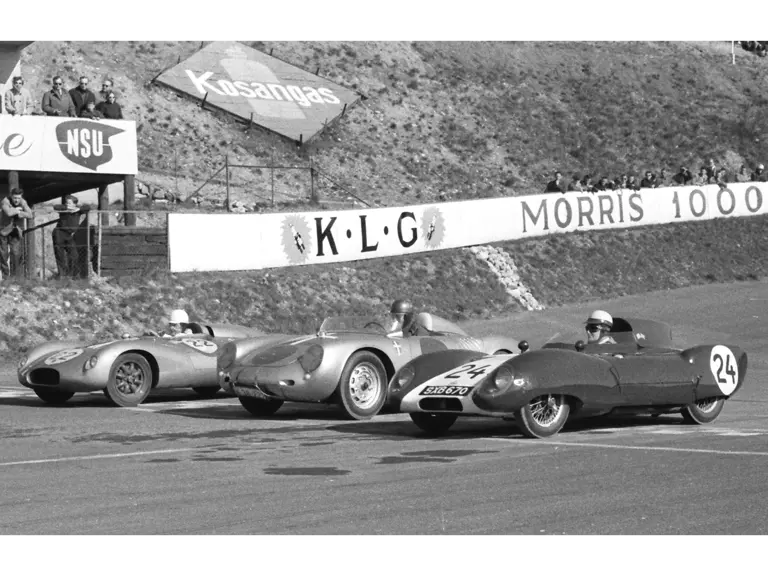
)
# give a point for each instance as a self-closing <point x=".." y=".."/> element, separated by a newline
<point x="641" y="373"/>
<point x="348" y="361"/>
<point x="129" y="368"/>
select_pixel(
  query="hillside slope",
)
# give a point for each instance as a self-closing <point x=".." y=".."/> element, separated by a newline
<point x="469" y="119"/>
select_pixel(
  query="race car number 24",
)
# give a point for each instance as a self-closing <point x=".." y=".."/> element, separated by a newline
<point x="722" y="363"/>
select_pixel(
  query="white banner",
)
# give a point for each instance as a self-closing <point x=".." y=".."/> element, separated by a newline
<point x="52" y="144"/>
<point x="256" y="241"/>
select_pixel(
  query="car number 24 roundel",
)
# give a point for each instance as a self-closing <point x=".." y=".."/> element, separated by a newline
<point x="460" y="381"/>
<point x="725" y="370"/>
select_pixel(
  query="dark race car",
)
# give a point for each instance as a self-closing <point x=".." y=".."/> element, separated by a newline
<point x="642" y="373"/>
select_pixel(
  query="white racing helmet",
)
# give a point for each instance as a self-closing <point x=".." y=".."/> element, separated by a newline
<point x="600" y="318"/>
<point x="179" y="317"/>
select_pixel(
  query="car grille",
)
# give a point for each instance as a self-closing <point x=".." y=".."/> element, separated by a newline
<point x="441" y="405"/>
<point x="44" y="376"/>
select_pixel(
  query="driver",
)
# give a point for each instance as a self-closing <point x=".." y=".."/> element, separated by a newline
<point x="400" y="313"/>
<point x="598" y="326"/>
<point x="178" y="325"/>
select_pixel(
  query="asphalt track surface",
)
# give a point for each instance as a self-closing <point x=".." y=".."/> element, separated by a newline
<point x="181" y="465"/>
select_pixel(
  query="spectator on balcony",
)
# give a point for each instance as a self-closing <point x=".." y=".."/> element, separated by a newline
<point x="90" y="112"/>
<point x="556" y="185"/>
<point x="603" y="184"/>
<point x="575" y="184"/>
<point x="110" y="109"/>
<point x="18" y="101"/>
<point x="649" y="181"/>
<point x="711" y="171"/>
<point x="632" y="183"/>
<point x="701" y="179"/>
<point x="683" y="177"/>
<point x="721" y="178"/>
<point x="81" y="95"/>
<point x="106" y="88"/>
<point x="663" y="180"/>
<point x="621" y="182"/>
<point x="742" y="175"/>
<point x="586" y="183"/>
<point x="759" y="174"/>
<point x="13" y="209"/>
<point x="57" y="101"/>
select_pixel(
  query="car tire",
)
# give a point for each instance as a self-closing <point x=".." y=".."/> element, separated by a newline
<point x="362" y="388"/>
<point x="543" y="416"/>
<point x="259" y="407"/>
<point x="206" y="391"/>
<point x="432" y="422"/>
<point x="704" y="411"/>
<point x="53" y="396"/>
<point x="130" y="380"/>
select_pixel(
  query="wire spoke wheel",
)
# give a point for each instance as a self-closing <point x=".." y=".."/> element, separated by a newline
<point x="703" y="411"/>
<point x="543" y="416"/>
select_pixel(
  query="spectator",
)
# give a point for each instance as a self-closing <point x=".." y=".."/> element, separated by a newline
<point x="603" y="184"/>
<point x="110" y="109"/>
<point x="701" y="179"/>
<point x="721" y="178"/>
<point x="57" y="102"/>
<point x="575" y="184"/>
<point x="81" y="95"/>
<point x="684" y="177"/>
<point x="17" y="100"/>
<point x="586" y="183"/>
<point x="742" y="175"/>
<point x="649" y="181"/>
<point x="13" y="209"/>
<point x="759" y="174"/>
<point x="663" y="180"/>
<point x="555" y="185"/>
<point x="632" y="183"/>
<point x="621" y="182"/>
<point x="711" y="171"/>
<point x="91" y="112"/>
<point x="106" y="88"/>
<point x="65" y="245"/>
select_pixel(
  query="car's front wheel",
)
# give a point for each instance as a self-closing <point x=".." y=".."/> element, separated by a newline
<point x="206" y="391"/>
<point x="258" y="407"/>
<point x="363" y="386"/>
<point x="543" y="416"/>
<point x="53" y="396"/>
<point x="130" y="380"/>
<point x="703" y="411"/>
<point x="432" y="422"/>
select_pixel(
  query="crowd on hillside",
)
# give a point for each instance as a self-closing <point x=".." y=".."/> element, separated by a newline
<point x="79" y="102"/>
<point x="707" y="174"/>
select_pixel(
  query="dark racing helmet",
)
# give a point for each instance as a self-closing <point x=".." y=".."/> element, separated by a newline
<point x="401" y="307"/>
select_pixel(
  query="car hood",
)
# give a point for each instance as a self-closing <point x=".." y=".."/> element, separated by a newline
<point x="284" y="350"/>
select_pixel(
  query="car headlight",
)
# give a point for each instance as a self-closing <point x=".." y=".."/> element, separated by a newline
<point x="311" y="359"/>
<point x="23" y="361"/>
<point x="404" y="377"/>
<point x="501" y="381"/>
<point x="91" y="363"/>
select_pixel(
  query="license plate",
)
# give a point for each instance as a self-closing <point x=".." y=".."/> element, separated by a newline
<point x="446" y="390"/>
<point x="248" y="392"/>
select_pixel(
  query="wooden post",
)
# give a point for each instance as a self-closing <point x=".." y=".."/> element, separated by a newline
<point x="129" y="199"/>
<point x="226" y="179"/>
<point x="42" y="252"/>
<point x="30" y="258"/>
<point x="13" y="180"/>
<point x="103" y="204"/>
<point x="87" y="246"/>
<point x="98" y="245"/>
<point x="202" y="104"/>
<point x="272" y="171"/>
<point x="312" y="193"/>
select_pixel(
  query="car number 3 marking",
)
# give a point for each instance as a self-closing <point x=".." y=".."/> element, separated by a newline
<point x="63" y="356"/>
<point x="725" y="370"/>
<point x="202" y="345"/>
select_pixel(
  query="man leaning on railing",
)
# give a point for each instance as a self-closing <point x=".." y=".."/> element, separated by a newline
<point x="13" y="209"/>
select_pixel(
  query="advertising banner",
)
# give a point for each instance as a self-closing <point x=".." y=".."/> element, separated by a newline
<point x="251" y="84"/>
<point x="256" y="241"/>
<point x="51" y="144"/>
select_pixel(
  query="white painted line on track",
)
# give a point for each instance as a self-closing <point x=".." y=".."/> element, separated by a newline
<point x="624" y="447"/>
<point x="99" y="456"/>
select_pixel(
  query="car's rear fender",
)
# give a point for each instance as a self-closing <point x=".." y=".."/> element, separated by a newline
<point x="714" y="370"/>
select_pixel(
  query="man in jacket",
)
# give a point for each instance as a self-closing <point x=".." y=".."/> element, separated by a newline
<point x="65" y="237"/>
<point x="57" y="101"/>
<point x="17" y="101"/>
<point x="13" y="209"/>
<point x="81" y="96"/>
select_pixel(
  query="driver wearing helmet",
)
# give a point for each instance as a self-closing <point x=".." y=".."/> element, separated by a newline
<point x="401" y="314"/>
<point x="598" y="326"/>
<point x="178" y="325"/>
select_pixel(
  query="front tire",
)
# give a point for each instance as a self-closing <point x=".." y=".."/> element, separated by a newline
<point x="206" y="391"/>
<point x="130" y="380"/>
<point x="703" y="411"/>
<point x="542" y="417"/>
<point x="432" y="422"/>
<point x="363" y="386"/>
<point x="259" y="407"/>
<point x="53" y="396"/>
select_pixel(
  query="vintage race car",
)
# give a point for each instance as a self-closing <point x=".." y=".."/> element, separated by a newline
<point x="642" y="373"/>
<point x="129" y="368"/>
<point x="348" y="361"/>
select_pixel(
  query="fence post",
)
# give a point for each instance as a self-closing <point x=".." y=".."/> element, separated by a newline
<point x="272" y="171"/>
<point x="226" y="179"/>
<point x="312" y="194"/>
<point x="98" y="247"/>
<point x="42" y="252"/>
<point x="87" y="245"/>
